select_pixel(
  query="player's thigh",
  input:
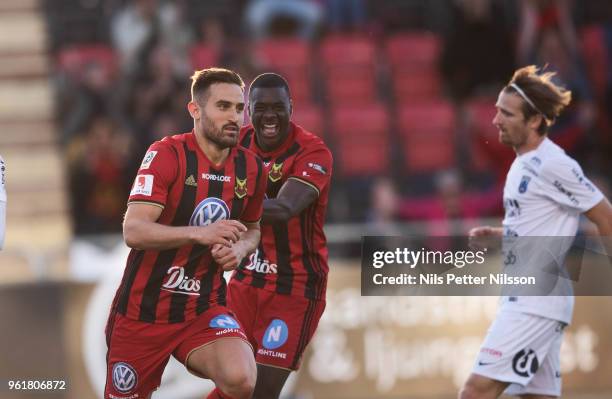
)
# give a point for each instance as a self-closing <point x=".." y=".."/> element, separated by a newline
<point x="226" y="361"/>
<point x="242" y="300"/>
<point x="284" y="327"/>
<point x="137" y="355"/>
<point x="478" y="386"/>
<point x="201" y="343"/>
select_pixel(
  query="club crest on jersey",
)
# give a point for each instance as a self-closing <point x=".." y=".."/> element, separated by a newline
<point x="240" y="189"/>
<point x="524" y="183"/>
<point x="124" y="377"/>
<point x="276" y="172"/>
<point x="209" y="211"/>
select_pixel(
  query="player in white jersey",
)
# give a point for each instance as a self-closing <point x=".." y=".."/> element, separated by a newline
<point x="544" y="195"/>
<point x="2" y="202"/>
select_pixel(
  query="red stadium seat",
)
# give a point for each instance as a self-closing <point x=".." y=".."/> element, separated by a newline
<point x="413" y="58"/>
<point x="349" y="69"/>
<point x="72" y="60"/>
<point x="310" y="117"/>
<point x="361" y="134"/>
<point x="416" y="50"/>
<point x="428" y="131"/>
<point x="203" y="56"/>
<point x="290" y="58"/>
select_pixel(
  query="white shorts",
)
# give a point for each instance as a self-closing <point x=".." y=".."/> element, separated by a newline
<point x="523" y="349"/>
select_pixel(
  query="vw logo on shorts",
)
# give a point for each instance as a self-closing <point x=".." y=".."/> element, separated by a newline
<point x="276" y="334"/>
<point x="124" y="377"/>
<point x="224" y="321"/>
<point x="209" y="211"/>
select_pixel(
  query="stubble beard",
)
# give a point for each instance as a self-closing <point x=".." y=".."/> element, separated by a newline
<point x="215" y="135"/>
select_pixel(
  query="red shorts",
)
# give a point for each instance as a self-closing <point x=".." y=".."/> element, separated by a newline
<point x="138" y="352"/>
<point x="278" y="326"/>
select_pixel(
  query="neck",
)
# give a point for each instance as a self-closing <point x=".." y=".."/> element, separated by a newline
<point x="212" y="151"/>
<point x="533" y="141"/>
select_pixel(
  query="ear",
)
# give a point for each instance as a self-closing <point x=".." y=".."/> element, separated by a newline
<point x="193" y="109"/>
<point x="535" y="121"/>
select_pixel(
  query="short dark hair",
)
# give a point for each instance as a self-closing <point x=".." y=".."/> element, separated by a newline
<point x="269" y="80"/>
<point x="548" y="98"/>
<point x="201" y="80"/>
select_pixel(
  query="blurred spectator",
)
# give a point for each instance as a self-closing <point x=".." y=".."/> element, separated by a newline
<point x="347" y="15"/>
<point x="537" y="16"/>
<point x="477" y="50"/>
<point x="303" y="17"/>
<point x="451" y="201"/>
<point x="86" y="95"/>
<point x="383" y="211"/>
<point x="99" y="168"/>
<point x="142" y="24"/>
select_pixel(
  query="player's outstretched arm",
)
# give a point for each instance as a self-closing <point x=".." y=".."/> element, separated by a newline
<point x="601" y="216"/>
<point x="141" y="230"/>
<point x="293" y="197"/>
<point x="486" y="231"/>
<point x="229" y="257"/>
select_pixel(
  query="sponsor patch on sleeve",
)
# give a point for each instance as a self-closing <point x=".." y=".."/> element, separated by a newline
<point x="143" y="185"/>
<point x="317" y="167"/>
<point x="148" y="158"/>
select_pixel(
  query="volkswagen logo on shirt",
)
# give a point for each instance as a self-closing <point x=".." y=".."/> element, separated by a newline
<point x="209" y="211"/>
<point x="124" y="377"/>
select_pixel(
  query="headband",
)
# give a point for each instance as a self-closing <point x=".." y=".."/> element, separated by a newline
<point x="522" y="94"/>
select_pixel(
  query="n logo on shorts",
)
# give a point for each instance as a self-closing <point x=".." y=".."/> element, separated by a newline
<point x="276" y="334"/>
<point x="124" y="377"/>
<point x="224" y="321"/>
<point x="525" y="363"/>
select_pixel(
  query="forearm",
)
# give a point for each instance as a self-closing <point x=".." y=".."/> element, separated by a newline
<point x="276" y="211"/>
<point x="248" y="242"/>
<point x="141" y="234"/>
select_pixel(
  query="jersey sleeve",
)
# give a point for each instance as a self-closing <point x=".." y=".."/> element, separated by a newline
<point x="254" y="209"/>
<point x="566" y="184"/>
<point x="156" y="174"/>
<point x="313" y="167"/>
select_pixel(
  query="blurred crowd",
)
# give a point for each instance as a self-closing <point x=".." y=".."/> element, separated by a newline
<point x="403" y="91"/>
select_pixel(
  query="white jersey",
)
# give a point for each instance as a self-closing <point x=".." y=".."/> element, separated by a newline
<point x="2" y="202"/>
<point x="544" y="195"/>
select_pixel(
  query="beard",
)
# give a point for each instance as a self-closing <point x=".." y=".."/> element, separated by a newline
<point x="217" y="136"/>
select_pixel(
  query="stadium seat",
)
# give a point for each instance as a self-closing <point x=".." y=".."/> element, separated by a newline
<point x="290" y="58"/>
<point x="413" y="60"/>
<point x="427" y="130"/>
<point x="349" y="69"/>
<point x="415" y="50"/>
<point x="310" y="117"/>
<point x="203" y="56"/>
<point x="361" y="134"/>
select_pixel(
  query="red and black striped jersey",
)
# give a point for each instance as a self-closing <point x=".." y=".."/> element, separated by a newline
<point x="292" y="257"/>
<point x="175" y="285"/>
